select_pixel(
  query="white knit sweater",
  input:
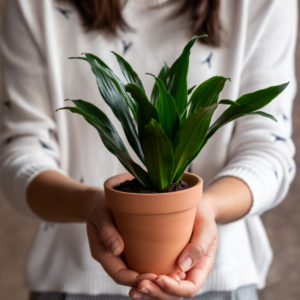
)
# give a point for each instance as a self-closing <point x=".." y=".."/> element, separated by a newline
<point x="40" y="35"/>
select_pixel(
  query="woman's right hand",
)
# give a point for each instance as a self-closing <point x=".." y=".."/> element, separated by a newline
<point x="106" y="243"/>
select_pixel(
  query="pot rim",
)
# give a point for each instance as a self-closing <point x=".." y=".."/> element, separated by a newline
<point x="146" y="204"/>
<point x="200" y="181"/>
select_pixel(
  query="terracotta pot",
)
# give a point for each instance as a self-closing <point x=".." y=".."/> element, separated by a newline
<point x="155" y="227"/>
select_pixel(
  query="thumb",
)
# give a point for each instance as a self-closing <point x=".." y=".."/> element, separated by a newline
<point x="107" y="231"/>
<point x="205" y="231"/>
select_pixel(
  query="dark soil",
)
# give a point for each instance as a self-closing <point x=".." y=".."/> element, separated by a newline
<point x="134" y="186"/>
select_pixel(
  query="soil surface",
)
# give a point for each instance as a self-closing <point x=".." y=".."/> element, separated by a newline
<point x="134" y="186"/>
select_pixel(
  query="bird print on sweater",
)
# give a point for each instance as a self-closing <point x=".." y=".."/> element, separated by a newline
<point x="208" y="60"/>
<point x="9" y="140"/>
<point x="47" y="226"/>
<point x="44" y="145"/>
<point x="126" y="46"/>
<point x="285" y="118"/>
<point x="7" y="104"/>
<point x="275" y="172"/>
<point x="64" y="12"/>
<point x="278" y="138"/>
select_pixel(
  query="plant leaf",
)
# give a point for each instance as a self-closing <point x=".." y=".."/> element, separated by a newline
<point x="188" y="162"/>
<point x="146" y="111"/>
<point x="190" y="137"/>
<point x="102" y="119"/>
<point x="228" y="102"/>
<point x="96" y="63"/>
<point x="176" y="81"/>
<point x="167" y="111"/>
<point x="110" y="138"/>
<point x="207" y="93"/>
<point x="113" y="92"/>
<point x="191" y="89"/>
<point x="130" y="75"/>
<point x="263" y="114"/>
<point x="158" y="155"/>
<point x="162" y="76"/>
<point x="248" y="104"/>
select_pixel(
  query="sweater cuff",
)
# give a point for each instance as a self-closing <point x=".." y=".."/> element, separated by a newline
<point x="254" y="182"/>
<point x="20" y="176"/>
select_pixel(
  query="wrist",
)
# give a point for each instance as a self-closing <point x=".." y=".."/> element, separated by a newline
<point x="210" y="205"/>
<point x="91" y="198"/>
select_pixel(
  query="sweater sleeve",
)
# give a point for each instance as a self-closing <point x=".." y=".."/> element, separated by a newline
<point x="261" y="151"/>
<point x="28" y="140"/>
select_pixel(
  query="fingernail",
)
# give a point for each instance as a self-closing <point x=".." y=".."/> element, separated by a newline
<point x="114" y="246"/>
<point x="160" y="283"/>
<point x="137" y="296"/>
<point x="145" y="291"/>
<point x="185" y="264"/>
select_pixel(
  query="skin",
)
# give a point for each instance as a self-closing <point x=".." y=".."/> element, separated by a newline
<point x="57" y="198"/>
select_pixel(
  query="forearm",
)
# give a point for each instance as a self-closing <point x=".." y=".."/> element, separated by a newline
<point x="57" y="198"/>
<point x="229" y="197"/>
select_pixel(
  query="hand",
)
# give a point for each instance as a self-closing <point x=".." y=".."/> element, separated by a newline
<point x="106" y="243"/>
<point x="196" y="260"/>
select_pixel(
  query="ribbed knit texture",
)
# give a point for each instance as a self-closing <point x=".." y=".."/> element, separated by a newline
<point x="254" y="183"/>
<point x="39" y="36"/>
<point x="21" y="177"/>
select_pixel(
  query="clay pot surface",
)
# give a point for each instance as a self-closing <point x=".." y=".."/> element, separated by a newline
<point x="155" y="227"/>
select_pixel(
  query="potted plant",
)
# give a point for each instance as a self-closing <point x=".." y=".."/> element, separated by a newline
<point x="154" y="210"/>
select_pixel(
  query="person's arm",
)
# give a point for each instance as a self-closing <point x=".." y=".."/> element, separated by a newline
<point x="29" y="132"/>
<point x="229" y="197"/>
<point x="57" y="198"/>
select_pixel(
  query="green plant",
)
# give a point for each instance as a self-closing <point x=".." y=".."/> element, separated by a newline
<point x="172" y="129"/>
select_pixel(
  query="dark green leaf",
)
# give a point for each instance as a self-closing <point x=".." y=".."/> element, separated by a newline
<point x="167" y="111"/>
<point x="190" y="137"/>
<point x="228" y="102"/>
<point x="207" y="93"/>
<point x="188" y="162"/>
<point x="113" y="92"/>
<point x="96" y="63"/>
<point x="130" y="75"/>
<point x="191" y="89"/>
<point x="158" y="155"/>
<point x="101" y="118"/>
<point x="176" y="82"/>
<point x="110" y="138"/>
<point x="263" y="114"/>
<point x="146" y="111"/>
<point x="162" y="76"/>
<point x="248" y="104"/>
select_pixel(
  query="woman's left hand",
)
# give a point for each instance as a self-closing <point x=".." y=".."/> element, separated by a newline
<point x="196" y="262"/>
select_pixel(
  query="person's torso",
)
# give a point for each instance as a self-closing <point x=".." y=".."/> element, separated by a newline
<point x="156" y="37"/>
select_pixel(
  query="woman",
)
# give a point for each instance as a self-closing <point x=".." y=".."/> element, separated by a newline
<point x="52" y="166"/>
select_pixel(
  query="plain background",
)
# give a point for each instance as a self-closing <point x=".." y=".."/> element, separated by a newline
<point x="282" y="224"/>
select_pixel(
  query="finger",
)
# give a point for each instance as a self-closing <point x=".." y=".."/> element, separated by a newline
<point x="178" y="276"/>
<point x="174" y="276"/>
<point x="147" y="290"/>
<point x="205" y="230"/>
<point x="107" y="231"/>
<point x="145" y="276"/>
<point x="195" y="277"/>
<point x="113" y="265"/>
<point x="182" y="275"/>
